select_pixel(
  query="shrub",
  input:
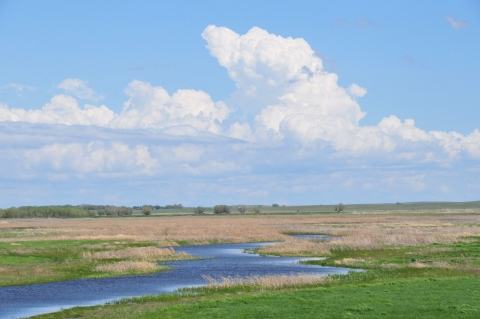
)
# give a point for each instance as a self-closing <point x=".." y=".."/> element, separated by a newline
<point x="221" y="209"/>
<point x="146" y="210"/>
<point x="242" y="208"/>
<point x="199" y="210"/>
<point x="256" y="210"/>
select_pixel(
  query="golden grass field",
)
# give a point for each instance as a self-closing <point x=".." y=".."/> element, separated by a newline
<point x="352" y="231"/>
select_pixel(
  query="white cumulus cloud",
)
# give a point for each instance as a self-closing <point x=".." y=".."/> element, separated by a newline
<point x="153" y="107"/>
<point x="357" y="90"/>
<point x="62" y="109"/>
<point x="283" y="83"/>
<point x="147" y="107"/>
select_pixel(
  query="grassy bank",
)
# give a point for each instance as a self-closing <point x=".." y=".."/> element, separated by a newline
<point x="456" y="297"/>
<point x="29" y="262"/>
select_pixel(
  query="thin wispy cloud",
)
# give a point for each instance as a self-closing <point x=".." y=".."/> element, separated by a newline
<point x="79" y="89"/>
<point x="18" y="88"/>
<point x="137" y="68"/>
<point x="413" y="62"/>
<point x="410" y="60"/>
<point x="456" y="23"/>
<point x="329" y="64"/>
<point x="341" y="22"/>
<point x="364" y="23"/>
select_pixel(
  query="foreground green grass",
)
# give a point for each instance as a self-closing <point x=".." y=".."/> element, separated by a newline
<point x="457" y="297"/>
<point x="30" y="262"/>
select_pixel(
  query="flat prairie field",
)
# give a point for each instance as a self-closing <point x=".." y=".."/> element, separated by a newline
<point x="417" y="264"/>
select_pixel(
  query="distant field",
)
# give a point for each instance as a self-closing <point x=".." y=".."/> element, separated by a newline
<point x="331" y="208"/>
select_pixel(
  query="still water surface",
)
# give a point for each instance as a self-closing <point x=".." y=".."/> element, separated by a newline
<point x="219" y="260"/>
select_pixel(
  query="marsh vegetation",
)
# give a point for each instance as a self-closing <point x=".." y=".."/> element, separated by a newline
<point x="405" y="254"/>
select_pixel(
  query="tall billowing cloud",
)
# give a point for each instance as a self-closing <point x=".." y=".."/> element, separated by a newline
<point x="283" y="83"/>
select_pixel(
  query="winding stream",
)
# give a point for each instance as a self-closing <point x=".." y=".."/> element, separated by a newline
<point x="220" y="260"/>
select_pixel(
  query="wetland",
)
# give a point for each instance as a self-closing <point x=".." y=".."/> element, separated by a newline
<point x="415" y="253"/>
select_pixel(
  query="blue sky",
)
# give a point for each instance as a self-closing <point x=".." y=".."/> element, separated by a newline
<point x="277" y="101"/>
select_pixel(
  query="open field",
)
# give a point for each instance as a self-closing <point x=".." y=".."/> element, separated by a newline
<point x="356" y="229"/>
<point x="108" y="211"/>
<point x="427" y="256"/>
<point x="329" y="208"/>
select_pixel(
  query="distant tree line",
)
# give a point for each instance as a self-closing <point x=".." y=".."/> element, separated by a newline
<point x="174" y="206"/>
<point x="46" y="212"/>
<point x="108" y="210"/>
<point x="115" y="211"/>
<point x="66" y="211"/>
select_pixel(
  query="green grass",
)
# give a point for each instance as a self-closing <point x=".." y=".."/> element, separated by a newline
<point x="457" y="297"/>
<point x="461" y="256"/>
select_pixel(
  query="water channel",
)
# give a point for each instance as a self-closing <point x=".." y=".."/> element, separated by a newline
<point x="219" y="260"/>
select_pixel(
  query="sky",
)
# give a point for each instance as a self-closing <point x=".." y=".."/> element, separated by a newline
<point x="239" y="102"/>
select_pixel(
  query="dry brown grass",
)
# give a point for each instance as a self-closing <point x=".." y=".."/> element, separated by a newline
<point x="294" y="247"/>
<point x="138" y="253"/>
<point x="268" y="281"/>
<point x="353" y="231"/>
<point x="128" y="266"/>
<point x="372" y="237"/>
<point x="204" y="229"/>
